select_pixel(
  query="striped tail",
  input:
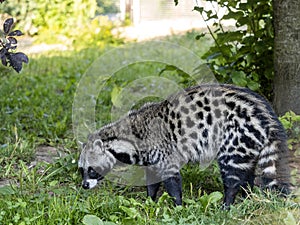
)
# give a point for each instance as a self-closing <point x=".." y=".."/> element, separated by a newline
<point x="274" y="165"/>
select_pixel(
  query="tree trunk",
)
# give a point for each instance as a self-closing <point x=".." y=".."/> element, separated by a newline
<point x="287" y="56"/>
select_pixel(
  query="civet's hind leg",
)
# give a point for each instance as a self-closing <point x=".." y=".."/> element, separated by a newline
<point x="173" y="186"/>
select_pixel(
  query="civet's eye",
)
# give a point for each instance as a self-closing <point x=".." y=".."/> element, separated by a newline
<point x="93" y="174"/>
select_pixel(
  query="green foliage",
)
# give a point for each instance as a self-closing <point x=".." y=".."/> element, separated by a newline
<point x="98" y="33"/>
<point x="56" y="200"/>
<point x="37" y="106"/>
<point x="61" y="15"/>
<point x="291" y="123"/>
<point x="94" y="220"/>
<point x="289" y="120"/>
<point x="242" y="55"/>
<point x="72" y="23"/>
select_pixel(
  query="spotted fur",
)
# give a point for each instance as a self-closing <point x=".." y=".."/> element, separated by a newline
<point x="234" y="125"/>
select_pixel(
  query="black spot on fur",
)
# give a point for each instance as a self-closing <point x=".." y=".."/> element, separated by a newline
<point x="166" y="119"/>
<point x="206" y="101"/>
<point x="230" y="105"/>
<point x="209" y="119"/>
<point x="172" y="127"/>
<point x="248" y="142"/>
<point x="205" y="133"/>
<point x="241" y="150"/>
<point x="200" y="115"/>
<point x="231" y="149"/>
<point x="207" y="108"/>
<point x="230" y="94"/>
<point x="172" y="114"/>
<point x="201" y="94"/>
<point x="121" y="156"/>
<point x="254" y="131"/>
<point x="199" y="103"/>
<point x="200" y="125"/>
<point x="179" y="124"/>
<point x="244" y="99"/>
<point x="235" y="141"/>
<point x="242" y="113"/>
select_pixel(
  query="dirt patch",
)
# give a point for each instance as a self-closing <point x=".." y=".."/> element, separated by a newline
<point x="4" y="183"/>
<point x="45" y="154"/>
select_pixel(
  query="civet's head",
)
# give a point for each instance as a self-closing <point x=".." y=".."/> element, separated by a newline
<point x="95" y="162"/>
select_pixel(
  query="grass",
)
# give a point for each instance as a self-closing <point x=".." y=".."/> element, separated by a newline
<point x="36" y="109"/>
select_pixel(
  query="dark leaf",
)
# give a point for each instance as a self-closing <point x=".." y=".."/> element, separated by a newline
<point x="15" y="33"/>
<point x="16" y="60"/>
<point x="14" y="63"/>
<point x="21" y="57"/>
<point x="8" y="25"/>
<point x="12" y="40"/>
<point x="176" y="2"/>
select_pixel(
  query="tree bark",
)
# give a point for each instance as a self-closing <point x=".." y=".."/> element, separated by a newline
<point x="287" y="56"/>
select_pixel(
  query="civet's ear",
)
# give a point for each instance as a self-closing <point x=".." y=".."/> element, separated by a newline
<point x="82" y="144"/>
<point x="98" y="145"/>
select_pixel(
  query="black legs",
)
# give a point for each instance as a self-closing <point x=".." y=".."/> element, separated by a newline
<point x="152" y="190"/>
<point x="173" y="186"/>
<point x="233" y="183"/>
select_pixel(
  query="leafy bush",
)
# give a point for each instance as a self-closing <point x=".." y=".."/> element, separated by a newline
<point x="37" y="16"/>
<point x="291" y="123"/>
<point x="72" y="23"/>
<point x="242" y="55"/>
<point x="98" y="33"/>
